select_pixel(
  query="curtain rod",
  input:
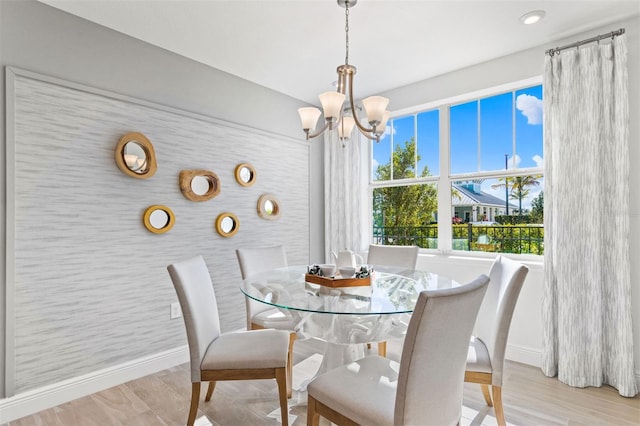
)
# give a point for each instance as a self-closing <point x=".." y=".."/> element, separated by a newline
<point x="612" y="34"/>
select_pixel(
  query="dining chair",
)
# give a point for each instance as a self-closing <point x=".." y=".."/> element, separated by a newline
<point x="485" y="359"/>
<point x="253" y="261"/>
<point x="404" y="257"/>
<point x="244" y="355"/>
<point x="425" y="388"/>
<point x="401" y="257"/>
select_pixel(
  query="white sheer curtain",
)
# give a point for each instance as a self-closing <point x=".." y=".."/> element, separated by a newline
<point x="586" y="308"/>
<point x="343" y="193"/>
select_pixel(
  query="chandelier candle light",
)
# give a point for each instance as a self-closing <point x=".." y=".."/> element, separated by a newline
<point x="333" y="102"/>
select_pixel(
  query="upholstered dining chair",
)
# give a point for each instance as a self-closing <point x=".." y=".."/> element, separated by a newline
<point x="253" y="261"/>
<point x="404" y="257"/>
<point x="425" y="388"/>
<point x="245" y="355"/>
<point x="485" y="359"/>
<point x="401" y="257"/>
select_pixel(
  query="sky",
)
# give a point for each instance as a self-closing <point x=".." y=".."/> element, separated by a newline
<point x="481" y="133"/>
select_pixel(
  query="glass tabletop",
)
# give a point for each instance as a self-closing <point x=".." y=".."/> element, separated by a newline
<point x="392" y="291"/>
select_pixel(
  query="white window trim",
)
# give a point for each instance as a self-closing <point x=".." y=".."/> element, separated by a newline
<point x="444" y="180"/>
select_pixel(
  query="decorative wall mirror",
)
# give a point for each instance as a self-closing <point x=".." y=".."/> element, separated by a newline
<point x="268" y="207"/>
<point x="245" y="174"/>
<point x="135" y="156"/>
<point x="158" y="219"/>
<point x="199" y="185"/>
<point x="227" y="224"/>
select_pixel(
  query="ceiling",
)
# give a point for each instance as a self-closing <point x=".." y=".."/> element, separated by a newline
<point x="294" y="46"/>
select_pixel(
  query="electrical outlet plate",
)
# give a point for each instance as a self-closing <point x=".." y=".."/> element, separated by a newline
<point x="175" y="310"/>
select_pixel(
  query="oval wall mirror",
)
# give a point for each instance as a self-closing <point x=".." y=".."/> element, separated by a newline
<point x="227" y="224"/>
<point x="135" y="156"/>
<point x="268" y="207"/>
<point x="199" y="185"/>
<point x="158" y="219"/>
<point x="245" y="174"/>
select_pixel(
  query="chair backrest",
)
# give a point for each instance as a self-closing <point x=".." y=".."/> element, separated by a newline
<point x="404" y="257"/>
<point x="197" y="298"/>
<point x="496" y="311"/>
<point x="434" y="355"/>
<point x="255" y="260"/>
<point x="260" y="259"/>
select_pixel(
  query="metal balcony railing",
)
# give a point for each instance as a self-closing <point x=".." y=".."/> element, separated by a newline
<point x="521" y="239"/>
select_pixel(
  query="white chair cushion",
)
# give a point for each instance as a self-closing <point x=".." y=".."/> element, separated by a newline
<point x="247" y="350"/>
<point x="364" y="391"/>
<point x="478" y="357"/>
<point x="273" y="318"/>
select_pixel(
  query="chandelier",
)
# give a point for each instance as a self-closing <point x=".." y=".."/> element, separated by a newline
<point x="336" y="114"/>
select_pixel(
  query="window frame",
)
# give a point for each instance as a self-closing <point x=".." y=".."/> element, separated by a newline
<point x="445" y="179"/>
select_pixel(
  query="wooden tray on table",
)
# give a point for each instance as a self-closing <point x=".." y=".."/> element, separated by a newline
<point x="337" y="282"/>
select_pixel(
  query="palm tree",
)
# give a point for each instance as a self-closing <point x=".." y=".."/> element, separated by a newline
<point x="518" y="187"/>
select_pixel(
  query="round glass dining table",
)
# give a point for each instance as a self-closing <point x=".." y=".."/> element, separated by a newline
<point x="345" y="317"/>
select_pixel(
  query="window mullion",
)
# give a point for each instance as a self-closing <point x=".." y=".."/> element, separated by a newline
<point x="479" y="135"/>
<point x="513" y="128"/>
<point x="415" y="153"/>
<point x="445" y="211"/>
<point x="391" y="151"/>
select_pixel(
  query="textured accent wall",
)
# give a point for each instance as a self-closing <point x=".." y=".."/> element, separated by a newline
<point x="91" y="288"/>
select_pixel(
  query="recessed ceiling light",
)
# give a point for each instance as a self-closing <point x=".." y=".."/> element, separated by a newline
<point x="532" y="17"/>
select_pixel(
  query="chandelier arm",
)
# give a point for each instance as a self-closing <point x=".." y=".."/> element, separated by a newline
<point x="319" y="132"/>
<point x="371" y="136"/>
<point x="353" y="108"/>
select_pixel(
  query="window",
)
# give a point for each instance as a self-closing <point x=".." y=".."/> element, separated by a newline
<point x="405" y="165"/>
<point x="493" y="170"/>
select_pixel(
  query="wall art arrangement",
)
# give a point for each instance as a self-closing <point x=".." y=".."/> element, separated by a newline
<point x="135" y="156"/>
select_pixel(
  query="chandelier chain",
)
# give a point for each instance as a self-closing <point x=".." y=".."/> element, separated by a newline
<point x="346" y="32"/>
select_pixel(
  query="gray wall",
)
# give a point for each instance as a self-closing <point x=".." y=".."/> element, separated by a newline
<point x="38" y="38"/>
<point x="525" y="339"/>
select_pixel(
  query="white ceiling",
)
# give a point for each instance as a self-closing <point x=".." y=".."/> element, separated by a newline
<point x="294" y="46"/>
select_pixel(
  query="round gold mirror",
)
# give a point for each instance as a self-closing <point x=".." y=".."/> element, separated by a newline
<point x="268" y="207"/>
<point x="245" y="174"/>
<point x="158" y="219"/>
<point x="199" y="185"/>
<point x="135" y="156"/>
<point x="227" y="224"/>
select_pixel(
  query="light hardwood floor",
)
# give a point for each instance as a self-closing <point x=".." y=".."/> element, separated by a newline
<point x="160" y="399"/>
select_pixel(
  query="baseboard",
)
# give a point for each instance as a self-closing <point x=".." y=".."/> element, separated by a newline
<point x="524" y="355"/>
<point x="36" y="400"/>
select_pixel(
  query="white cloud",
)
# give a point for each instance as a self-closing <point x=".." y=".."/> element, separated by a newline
<point x="531" y="107"/>
<point x="538" y="160"/>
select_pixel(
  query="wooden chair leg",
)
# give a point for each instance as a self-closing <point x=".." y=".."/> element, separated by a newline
<point x="195" y="398"/>
<point x="212" y="386"/>
<point x="382" y="349"/>
<point x="292" y="338"/>
<point x="281" y="379"/>
<point x="487" y="396"/>
<point x="313" y="418"/>
<point x="497" y="405"/>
